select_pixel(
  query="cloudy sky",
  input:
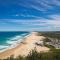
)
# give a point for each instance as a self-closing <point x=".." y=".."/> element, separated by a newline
<point x="29" y="15"/>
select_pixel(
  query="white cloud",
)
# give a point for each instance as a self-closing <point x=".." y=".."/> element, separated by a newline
<point x="57" y="2"/>
<point x="53" y="24"/>
<point x="40" y="5"/>
<point x="26" y="15"/>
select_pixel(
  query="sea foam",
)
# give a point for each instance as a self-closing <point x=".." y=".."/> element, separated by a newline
<point x="13" y="42"/>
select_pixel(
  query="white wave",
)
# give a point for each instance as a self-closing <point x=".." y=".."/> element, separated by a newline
<point x="24" y="34"/>
<point x="15" y="38"/>
<point x="16" y="42"/>
<point x="3" y="46"/>
<point x="13" y="42"/>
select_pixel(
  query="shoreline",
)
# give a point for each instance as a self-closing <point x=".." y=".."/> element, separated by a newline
<point x="24" y="47"/>
<point x="18" y="42"/>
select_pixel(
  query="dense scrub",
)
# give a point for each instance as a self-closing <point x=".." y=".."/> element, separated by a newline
<point x="52" y="39"/>
<point x="51" y="34"/>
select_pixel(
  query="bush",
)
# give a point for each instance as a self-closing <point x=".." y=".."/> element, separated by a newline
<point x="34" y="55"/>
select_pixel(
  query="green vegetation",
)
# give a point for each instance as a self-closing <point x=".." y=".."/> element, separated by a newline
<point x="52" y="39"/>
<point x="34" y="55"/>
<point x="51" y="34"/>
<point x="47" y="45"/>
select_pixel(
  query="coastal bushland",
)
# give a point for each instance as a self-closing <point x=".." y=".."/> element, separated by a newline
<point x="34" y="55"/>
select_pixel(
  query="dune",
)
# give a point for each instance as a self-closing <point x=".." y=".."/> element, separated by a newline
<point x="28" y="44"/>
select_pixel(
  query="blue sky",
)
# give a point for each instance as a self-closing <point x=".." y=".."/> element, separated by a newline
<point x="29" y="15"/>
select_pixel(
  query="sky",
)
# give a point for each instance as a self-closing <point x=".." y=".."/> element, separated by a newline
<point x="29" y="15"/>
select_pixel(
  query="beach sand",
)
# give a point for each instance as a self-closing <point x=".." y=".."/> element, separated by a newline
<point x="25" y="46"/>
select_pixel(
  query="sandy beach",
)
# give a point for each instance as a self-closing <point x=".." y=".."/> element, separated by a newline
<point x="26" y="46"/>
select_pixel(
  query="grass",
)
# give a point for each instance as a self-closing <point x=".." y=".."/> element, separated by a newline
<point x="34" y="55"/>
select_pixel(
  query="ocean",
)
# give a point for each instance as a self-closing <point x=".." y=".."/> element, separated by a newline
<point x="10" y="40"/>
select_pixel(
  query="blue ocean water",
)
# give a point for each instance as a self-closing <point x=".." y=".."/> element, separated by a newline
<point x="10" y="39"/>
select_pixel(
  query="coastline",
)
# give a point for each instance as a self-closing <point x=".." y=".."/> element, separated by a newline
<point x="25" y="46"/>
<point x="15" y="44"/>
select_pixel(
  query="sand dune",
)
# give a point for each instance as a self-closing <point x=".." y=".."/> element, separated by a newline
<point x="25" y="47"/>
